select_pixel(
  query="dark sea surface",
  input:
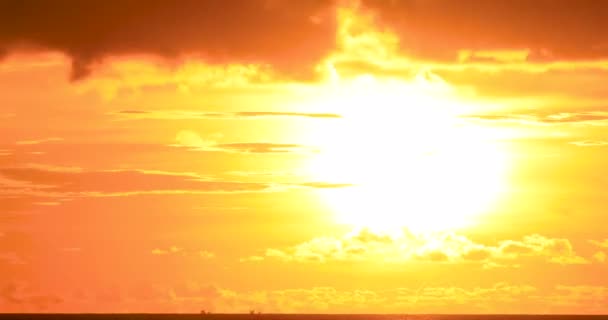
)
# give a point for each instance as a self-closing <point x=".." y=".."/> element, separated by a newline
<point x="290" y="317"/>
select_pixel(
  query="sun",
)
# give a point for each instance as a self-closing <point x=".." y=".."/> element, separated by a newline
<point x="411" y="159"/>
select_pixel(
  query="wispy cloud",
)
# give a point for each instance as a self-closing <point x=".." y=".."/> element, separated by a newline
<point x="260" y="147"/>
<point x="48" y="185"/>
<point x="38" y="141"/>
<point x="117" y="182"/>
<point x="193" y="141"/>
<point x="592" y="118"/>
<point x="590" y="143"/>
<point x="189" y="114"/>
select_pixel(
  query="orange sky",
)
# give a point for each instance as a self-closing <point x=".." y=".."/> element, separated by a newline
<point x="303" y="156"/>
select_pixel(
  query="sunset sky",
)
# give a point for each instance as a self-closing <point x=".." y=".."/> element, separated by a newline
<point x="372" y="156"/>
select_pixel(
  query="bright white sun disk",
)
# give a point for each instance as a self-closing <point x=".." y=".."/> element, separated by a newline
<point x="412" y="161"/>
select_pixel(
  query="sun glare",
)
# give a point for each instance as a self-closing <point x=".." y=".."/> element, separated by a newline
<point x="402" y="143"/>
<point x="411" y="159"/>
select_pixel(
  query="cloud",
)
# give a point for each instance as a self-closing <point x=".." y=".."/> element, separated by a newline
<point x="549" y="30"/>
<point x="25" y="298"/>
<point x="555" y="250"/>
<point x="160" y="252"/>
<point x="204" y="254"/>
<point x="46" y="185"/>
<point x="323" y="185"/>
<point x="194" y="141"/>
<point x="600" y="243"/>
<point x="600" y="257"/>
<point x="185" y="114"/>
<point x="292" y="36"/>
<point x="327" y="299"/>
<point x="569" y="79"/>
<point x="364" y="245"/>
<point x="257" y="114"/>
<point x="251" y="259"/>
<point x="38" y="141"/>
<point x="593" y="118"/>
<point x="260" y="147"/>
<point x="117" y="182"/>
<point x="175" y="250"/>
<point x="191" y="296"/>
<point x="591" y="299"/>
<point x="590" y="143"/>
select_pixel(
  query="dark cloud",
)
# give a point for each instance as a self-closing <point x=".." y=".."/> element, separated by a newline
<point x="579" y="82"/>
<point x="551" y="29"/>
<point x="291" y="35"/>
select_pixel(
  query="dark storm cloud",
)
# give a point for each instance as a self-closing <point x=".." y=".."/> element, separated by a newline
<point x="551" y="29"/>
<point x="291" y="35"/>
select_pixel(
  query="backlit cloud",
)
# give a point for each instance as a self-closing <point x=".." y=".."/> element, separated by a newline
<point x="366" y="246"/>
<point x="600" y="243"/>
<point x="179" y="251"/>
<point x="499" y="297"/>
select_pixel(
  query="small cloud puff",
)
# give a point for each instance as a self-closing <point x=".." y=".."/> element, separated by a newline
<point x="600" y="243"/>
<point x="175" y="250"/>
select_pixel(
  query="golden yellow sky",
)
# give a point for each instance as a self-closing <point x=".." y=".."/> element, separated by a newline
<point x="313" y="156"/>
